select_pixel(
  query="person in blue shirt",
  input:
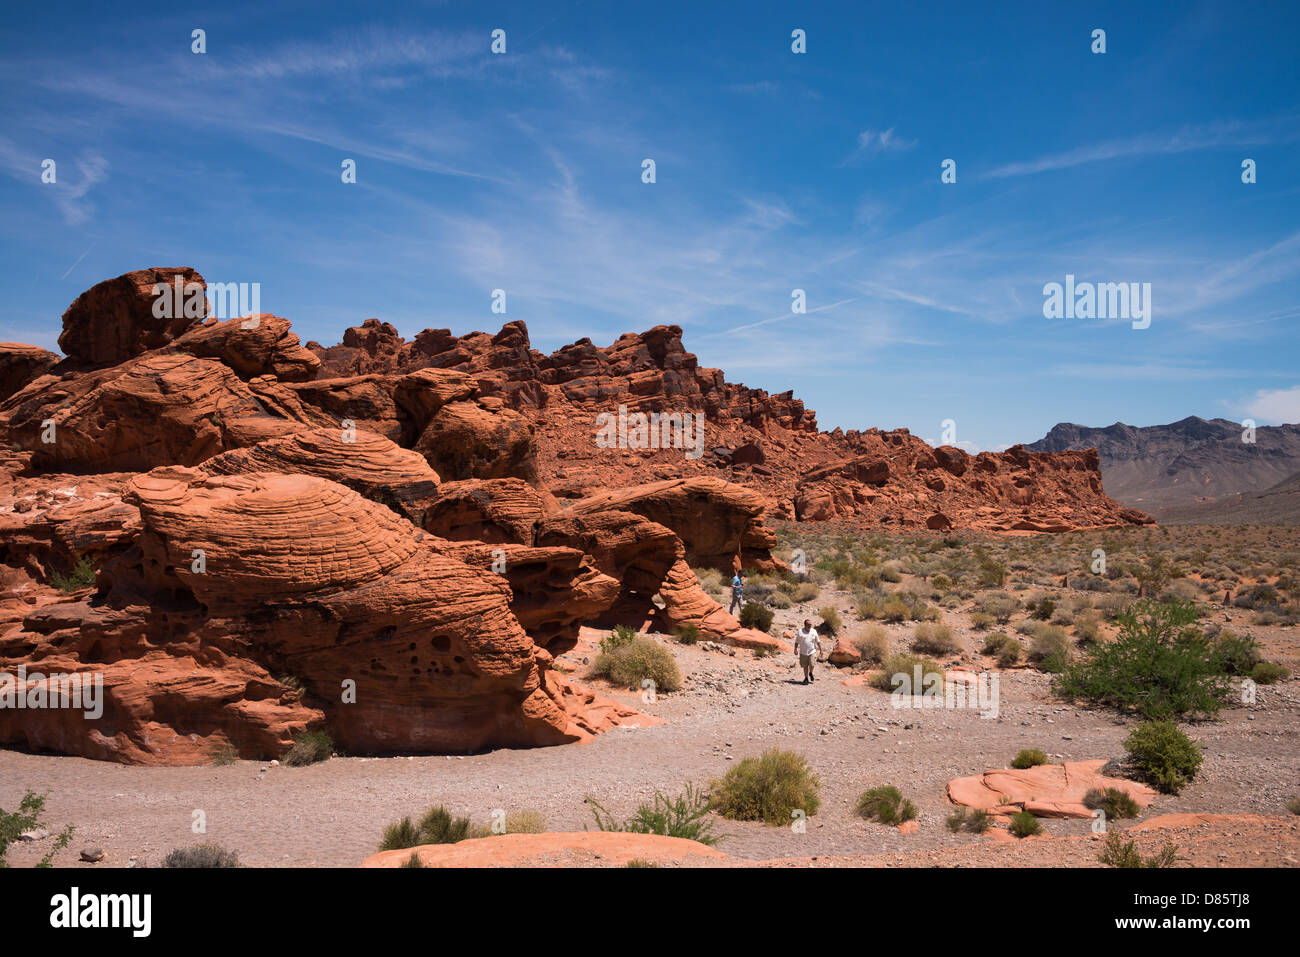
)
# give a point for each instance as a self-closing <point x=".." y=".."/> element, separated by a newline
<point x="737" y="592"/>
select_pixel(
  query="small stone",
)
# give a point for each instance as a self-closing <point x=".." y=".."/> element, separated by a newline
<point x="92" y="855"/>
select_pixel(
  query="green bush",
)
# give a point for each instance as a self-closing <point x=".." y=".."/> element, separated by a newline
<point x="754" y="615"/>
<point x="439" y="826"/>
<point x="82" y="576"/>
<point x="831" y="622"/>
<point x="1162" y="755"/>
<point x="1235" y="654"/>
<point x="1268" y="672"/>
<point x="28" y="818"/>
<point x="201" y="855"/>
<point x="982" y="621"/>
<point x="767" y="788"/>
<point x="1118" y="852"/>
<point x="1029" y="758"/>
<point x="685" y="816"/>
<point x="688" y="634"/>
<point x="1023" y="824"/>
<point x="399" y="835"/>
<point x="631" y="663"/>
<point x="621" y="635"/>
<point x="885" y="804"/>
<point x="1158" y="665"/>
<point x="1112" y="801"/>
<point x="779" y="599"/>
<point x="308" y="747"/>
<point x="412" y="861"/>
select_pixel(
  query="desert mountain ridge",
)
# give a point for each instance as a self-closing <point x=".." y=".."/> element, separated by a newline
<point x="1185" y="464"/>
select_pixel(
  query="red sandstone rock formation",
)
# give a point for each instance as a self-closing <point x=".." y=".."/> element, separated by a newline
<point x="432" y="520"/>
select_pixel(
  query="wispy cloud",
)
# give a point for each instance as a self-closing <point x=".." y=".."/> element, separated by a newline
<point x="872" y="142"/>
<point x="1189" y="139"/>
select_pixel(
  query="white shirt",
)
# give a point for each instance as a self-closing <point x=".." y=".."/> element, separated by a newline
<point x="807" y="642"/>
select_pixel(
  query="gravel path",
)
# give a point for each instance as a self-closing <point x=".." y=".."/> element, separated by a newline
<point x="332" y="814"/>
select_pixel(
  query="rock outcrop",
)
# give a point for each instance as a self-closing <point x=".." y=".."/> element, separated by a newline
<point x="392" y="540"/>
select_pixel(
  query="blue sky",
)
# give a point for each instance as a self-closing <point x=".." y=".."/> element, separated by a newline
<point x="775" y="171"/>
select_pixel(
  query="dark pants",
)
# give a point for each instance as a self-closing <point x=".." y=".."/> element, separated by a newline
<point x="737" y="600"/>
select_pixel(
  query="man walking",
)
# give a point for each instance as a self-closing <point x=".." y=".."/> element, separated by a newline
<point x="737" y="592"/>
<point x="807" y="645"/>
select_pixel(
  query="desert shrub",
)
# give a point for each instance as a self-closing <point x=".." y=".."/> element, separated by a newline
<point x="871" y="606"/>
<point x="82" y="576"/>
<point x="1041" y="608"/>
<point x="1112" y="606"/>
<point x="779" y="599"/>
<point x="1152" y="575"/>
<point x="975" y="821"/>
<point x="411" y="862"/>
<point x="920" y="611"/>
<point x="1049" y="647"/>
<point x="1162" y="755"/>
<point x="1023" y="824"/>
<point x="1112" y="801"/>
<point x="831" y="622"/>
<point x="1087" y="630"/>
<point x="1008" y="651"/>
<point x="640" y="659"/>
<point x="767" y="788"/>
<point x="201" y="855"/>
<point x="1268" y="672"/>
<point x="992" y="574"/>
<point x="1293" y="805"/>
<point x="1029" y="758"/>
<point x="1257" y="596"/>
<point x="894" y="610"/>
<point x="891" y="572"/>
<point x="710" y="580"/>
<point x="806" y="592"/>
<point x="621" y="635"/>
<point x="223" y="755"/>
<point x="308" y="747"/>
<point x="640" y="862"/>
<point x="982" y="621"/>
<point x="754" y="615"/>
<point x="687" y="634"/>
<point x="31" y="808"/>
<point x="932" y="639"/>
<point x="941" y="582"/>
<point x="1158" y="666"/>
<point x="525" y="822"/>
<point x="440" y="826"/>
<point x="872" y="643"/>
<point x="885" y="804"/>
<point x="905" y="664"/>
<point x="684" y="816"/>
<point x="399" y="835"/>
<point x="1000" y="606"/>
<point x="1118" y="852"/>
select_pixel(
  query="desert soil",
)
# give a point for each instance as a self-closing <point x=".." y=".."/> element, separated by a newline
<point x="733" y="705"/>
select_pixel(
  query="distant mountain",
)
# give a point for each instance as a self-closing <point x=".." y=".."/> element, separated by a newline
<point x="1188" y="463"/>
<point x="1279" y="505"/>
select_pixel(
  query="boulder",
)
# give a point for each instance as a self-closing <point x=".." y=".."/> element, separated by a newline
<point x="115" y="320"/>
